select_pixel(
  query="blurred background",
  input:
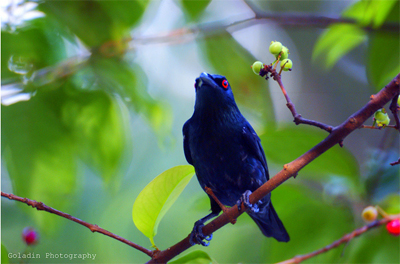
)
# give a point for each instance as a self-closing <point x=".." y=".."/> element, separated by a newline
<point x="95" y="94"/>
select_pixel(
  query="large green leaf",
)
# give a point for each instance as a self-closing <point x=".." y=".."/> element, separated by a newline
<point x="97" y="124"/>
<point x="288" y="143"/>
<point x="157" y="197"/>
<point x="227" y="57"/>
<point x="34" y="46"/>
<point x="384" y="53"/>
<point x="195" y="257"/>
<point x="370" y="12"/>
<point x="96" y="22"/>
<point x="129" y="81"/>
<point x="40" y="156"/>
<point x="336" y="42"/>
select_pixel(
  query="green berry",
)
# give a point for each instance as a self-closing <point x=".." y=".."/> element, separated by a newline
<point x="398" y="101"/>
<point x="383" y="123"/>
<point x="257" y="66"/>
<point x="284" y="53"/>
<point x="275" y="47"/>
<point x="381" y="115"/>
<point x="369" y="213"/>
<point x="288" y="64"/>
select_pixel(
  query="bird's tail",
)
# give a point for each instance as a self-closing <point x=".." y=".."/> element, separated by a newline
<point x="270" y="224"/>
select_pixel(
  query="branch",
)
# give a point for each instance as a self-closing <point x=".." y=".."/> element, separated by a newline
<point x="291" y="169"/>
<point x="394" y="107"/>
<point x="395" y="162"/>
<point x="310" y="20"/>
<point x="298" y="119"/>
<point x="345" y="239"/>
<point x="94" y="228"/>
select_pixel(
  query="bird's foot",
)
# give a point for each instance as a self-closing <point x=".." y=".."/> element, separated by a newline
<point x="246" y="202"/>
<point x="197" y="236"/>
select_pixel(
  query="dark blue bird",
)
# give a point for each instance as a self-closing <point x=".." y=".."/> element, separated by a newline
<point x="227" y="156"/>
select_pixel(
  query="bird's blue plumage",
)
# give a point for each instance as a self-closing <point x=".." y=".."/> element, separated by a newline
<point x="226" y="152"/>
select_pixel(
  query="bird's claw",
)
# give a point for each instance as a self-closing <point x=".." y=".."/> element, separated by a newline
<point x="246" y="202"/>
<point x="197" y="236"/>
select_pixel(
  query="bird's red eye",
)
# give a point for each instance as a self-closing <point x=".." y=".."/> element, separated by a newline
<point x="225" y="84"/>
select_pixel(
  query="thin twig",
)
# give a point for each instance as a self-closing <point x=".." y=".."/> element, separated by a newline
<point x="345" y="239"/>
<point x="376" y="127"/>
<point x="337" y="135"/>
<point x="94" y="228"/>
<point x="298" y="119"/>
<point x="395" y="162"/>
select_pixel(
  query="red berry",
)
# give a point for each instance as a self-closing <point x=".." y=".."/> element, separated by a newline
<point x="393" y="227"/>
<point x="30" y="236"/>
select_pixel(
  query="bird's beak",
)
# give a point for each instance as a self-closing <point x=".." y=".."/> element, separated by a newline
<point x="204" y="78"/>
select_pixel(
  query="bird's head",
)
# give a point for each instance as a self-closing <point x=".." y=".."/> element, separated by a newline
<point x="213" y="92"/>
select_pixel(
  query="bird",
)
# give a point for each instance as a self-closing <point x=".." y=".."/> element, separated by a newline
<point x="227" y="156"/>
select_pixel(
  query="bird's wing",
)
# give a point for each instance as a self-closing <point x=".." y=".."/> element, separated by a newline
<point x="185" y="131"/>
<point x="253" y="144"/>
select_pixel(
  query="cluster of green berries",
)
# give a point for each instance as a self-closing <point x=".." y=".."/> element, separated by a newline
<point x="276" y="48"/>
<point x="370" y="214"/>
<point x="381" y="118"/>
<point x="281" y="52"/>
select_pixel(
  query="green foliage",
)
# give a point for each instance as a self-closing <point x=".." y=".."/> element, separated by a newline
<point x="157" y="197"/>
<point x="337" y="41"/>
<point x="299" y="140"/>
<point x="96" y="125"/>
<point x="95" y="22"/>
<point x="383" y="53"/>
<point x="316" y="216"/>
<point x="129" y="82"/>
<point x="370" y="12"/>
<point x="195" y="257"/>
<point x="194" y="8"/>
<point x="4" y="255"/>
<point x="229" y="58"/>
<point x="39" y="156"/>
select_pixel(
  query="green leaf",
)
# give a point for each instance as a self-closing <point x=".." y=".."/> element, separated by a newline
<point x="129" y="81"/>
<point x="39" y="154"/>
<point x="370" y="12"/>
<point x="195" y="257"/>
<point x="391" y="204"/>
<point x="227" y="57"/>
<point x="95" y="22"/>
<point x="383" y="57"/>
<point x="193" y="8"/>
<point x="98" y="125"/>
<point x="34" y="46"/>
<point x="4" y="255"/>
<point x="157" y="197"/>
<point x="124" y="14"/>
<point x="288" y="143"/>
<point x="336" y="42"/>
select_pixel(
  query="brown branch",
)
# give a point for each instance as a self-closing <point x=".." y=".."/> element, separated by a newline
<point x="394" y="107"/>
<point x="310" y="20"/>
<point x="209" y="29"/>
<point x="94" y="228"/>
<point x="395" y="162"/>
<point x="290" y="169"/>
<point x="345" y="239"/>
